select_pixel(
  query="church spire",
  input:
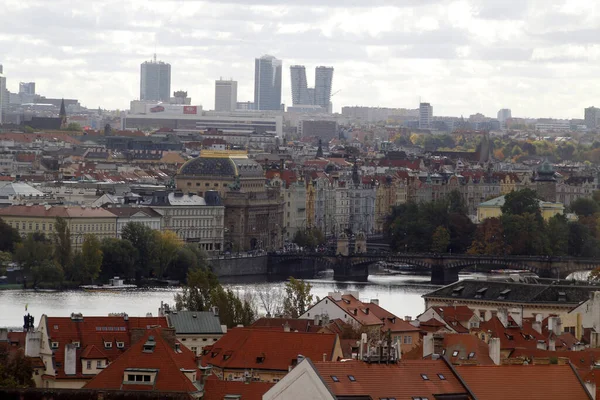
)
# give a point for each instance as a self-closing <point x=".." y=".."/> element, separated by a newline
<point x="63" y="115"/>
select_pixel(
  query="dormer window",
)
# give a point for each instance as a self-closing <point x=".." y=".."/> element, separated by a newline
<point x="120" y="345"/>
<point x="108" y="345"/>
<point x="260" y="359"/>
<point x="54" y="345"/>
<point x="76" y="344"/>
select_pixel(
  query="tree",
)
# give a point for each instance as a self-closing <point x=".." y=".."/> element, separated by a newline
<point x="16" y="370"/>
<point x="34" y="255"/>
<point x="309" y="238"/>
<point x="462" y="230"/>
<point x="232" y="310"/>
<point x="118" y="259"/>
<point x="197" y="293"/>
<point x="440" y="240"/>
<point x="489" y="238"/>
<point x="520" y="202"/>
<point x="271" y="301"/>
<point x="143" y="239"/>
<point x="584" y="207"/>
<point x="62" y="246"/>
<point x="558" y="235"/>
<point x="525" y="234"/>
<point x="9" y="237"/>
<point x="74" y="127"/>
<point x="167" y="245"/>
<point x="91" y="259"/>
<point x="456" y="202"/>
<point x="5" y="259"/>
<point x="297" y="298"/>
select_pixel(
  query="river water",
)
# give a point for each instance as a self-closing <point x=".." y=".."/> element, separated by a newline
<point x="400" y="294"/>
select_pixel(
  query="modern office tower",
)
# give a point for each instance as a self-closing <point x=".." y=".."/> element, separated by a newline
<point x="300" y="91"/>
<point x="504" y="115"/>
<point x="27" y="88"/>
<point x="225" y="95"/>
<point x="425" y="115"/>
<point x="3" y="95"/>
<point x="155" y="81"/>
<point x="323" y="79"/>
<point x="591" y="116"/>
<point x="267" y="83"/>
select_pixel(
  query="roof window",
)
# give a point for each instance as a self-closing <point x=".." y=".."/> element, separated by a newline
<point x="334" y="378"/>
<point x="454" y="353"/>
<point x="503" y="294"/>
<point x="260" y="359"/>
<point x="472" y="354"/>
<point x="442" y="377"/>
<point x="120" y="345"/>
<point x="480" y="293"/>
<point x="352" y="378"/>
<point x="54" y="345"/>
<point x="425" y="377"/>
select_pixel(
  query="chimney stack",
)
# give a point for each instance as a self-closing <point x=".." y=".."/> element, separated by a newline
<point x="494" y="350"/>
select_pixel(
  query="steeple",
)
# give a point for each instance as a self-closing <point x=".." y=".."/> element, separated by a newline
<point x="63" y="115"/>
<point x="320" y="149"/>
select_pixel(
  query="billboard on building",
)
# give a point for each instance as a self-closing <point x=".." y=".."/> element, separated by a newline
<point x="164" y="108"/>
<point x="190" y="109"/>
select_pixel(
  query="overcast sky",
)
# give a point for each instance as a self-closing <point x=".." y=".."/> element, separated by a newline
<point x="538" y="57"/>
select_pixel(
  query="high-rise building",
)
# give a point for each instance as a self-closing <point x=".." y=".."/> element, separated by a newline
<point x="504" y="115"/>
<point x="300" y="94"/>
<point x="3" y="95"/>
<point x="425" y="115"/>
<point x="267" y="83"/>
<point x="323" y="80"/>
<point x="155" y="81"/>
<point x="225" y="95"/>
<point x="27" y="88"/>
<point x="591" y="116"/>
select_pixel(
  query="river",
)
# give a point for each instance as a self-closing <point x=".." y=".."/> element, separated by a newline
<point x="400" y="294"/>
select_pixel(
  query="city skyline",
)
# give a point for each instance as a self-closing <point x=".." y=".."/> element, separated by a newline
<point x="489" y="55"/>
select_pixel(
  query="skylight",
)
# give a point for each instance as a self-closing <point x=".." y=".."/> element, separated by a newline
<point x="425" y="377"/>
<point x="334" y="378"/>
<point x="442" y="377"/>
<point x="352" y="378"/>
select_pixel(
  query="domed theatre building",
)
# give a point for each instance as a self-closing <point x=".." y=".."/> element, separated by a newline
<point x="253" y="211"/>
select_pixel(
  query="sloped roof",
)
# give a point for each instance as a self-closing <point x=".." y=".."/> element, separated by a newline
<point x="401" y="381"/>
<point x="170" y="362"/>
<point x="19" y="189"/>
<point x="198" y="322"/>
<point x="466" y="347"/>
<point x="391" y="321"/>
<point x="216" y="389"/>
<point x="94" y="331"/>
<point x="547" y="382"/>
<point x="300" y="325"/>
<point x="243" y="348"/>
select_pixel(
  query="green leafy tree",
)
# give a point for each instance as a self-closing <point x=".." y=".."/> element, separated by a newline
<point x="63" y="254"/>
<point x="232" y="310"/>
<point x="584" y="207"/>
<point x="197" y="293"/>
<point x="91" y="253"/>
<point x="490" y="238"/>
<point x="118" y="259"/>
<point x="456" y="203"/>
<point x="525" y="234"/>
<point x="167" y="245"/>
<point x="440" y="240"/>
<point x="520" y="202"/>
<point x="188" y="258"/>
<point x="297" y="298"/>
<point x="74" y="127"/>
<point x="143" y="239"/>
<point x="558" y="235"/>
<point x="9" y="237"/>
<point x="16" y="370"/>
<point x="309" y="238"/>
<point x="34" y="255"/>
<point x="462" y="231"/>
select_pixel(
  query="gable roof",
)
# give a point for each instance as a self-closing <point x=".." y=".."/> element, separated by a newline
<point x="299" y="325"/>
<point x="547" y="382"/>
<point x="265" y="349"/>
<point x="94" y="332"/>
<point x="401" y="381"/>
<point x="466" y="347"/>
<point x="165" y="358"/>
<point x="216" y="389"/>
<point x="198" y="322"/>
<point x="391" y="321"/>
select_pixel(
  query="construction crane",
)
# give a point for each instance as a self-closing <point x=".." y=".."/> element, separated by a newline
<point x="336" y="92"/>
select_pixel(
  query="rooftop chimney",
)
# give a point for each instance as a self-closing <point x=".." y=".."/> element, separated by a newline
<point x="70" y="365"/>
<point x="286" y="327"/>
<point x="494" y="350"/>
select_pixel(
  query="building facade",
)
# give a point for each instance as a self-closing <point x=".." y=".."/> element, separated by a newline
<point x="155" y="81"/>
<point x="323" y="82"/>
<point x="267" y="83"/>
<point x="225" y="95"/>
<point x="300" y="95"/>
<point x="425" y="115"/>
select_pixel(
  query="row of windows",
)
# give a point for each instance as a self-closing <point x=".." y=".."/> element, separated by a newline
<point x="192" y="211"/>
<point x="193" y="222"/>
<point x="98" y="364"/>
<point x="74" y="228"/>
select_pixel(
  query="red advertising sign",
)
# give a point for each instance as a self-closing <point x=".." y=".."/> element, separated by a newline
<point x="157" y="109"/>
<point x="190" y="109"/>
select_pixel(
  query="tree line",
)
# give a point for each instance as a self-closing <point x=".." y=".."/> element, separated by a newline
<point x="140" y="254"/>
<point x="443" y="226"/>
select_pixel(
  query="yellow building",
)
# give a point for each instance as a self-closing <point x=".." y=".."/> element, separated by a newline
<point x="81" y="221"/>
<point x="493" y="209"/>
<point x="385" y="199"/>
<point x="508" y="184"/>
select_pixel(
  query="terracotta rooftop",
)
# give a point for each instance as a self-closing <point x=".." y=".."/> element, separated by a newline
<point x="265" y="349"/>
<point x="216" y="389"/>
<point x="407" y="380"/>
<point x="533" y="382"/>
<point x="299" y="325"/>
<point x="168" y="362"/>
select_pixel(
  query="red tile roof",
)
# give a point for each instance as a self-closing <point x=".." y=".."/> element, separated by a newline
<point x="533" y="382"/>
<point x="94" y="331"/>
<point x="391" y="322"/>
<point x="466" y="347"/>
<point x="299" y="325"/>
<point x="216" y="389"/>
<point x="512" y="337"/>
<point x="170" y="362"/>
<point x="93" y="353"/>
<point x="265" y="349"/>
<point x="401" y="381"/>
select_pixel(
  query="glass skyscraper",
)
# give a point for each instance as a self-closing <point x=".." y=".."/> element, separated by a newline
<point x="155" y="81"/>
<point x="267" y="83"/>
<point x="323" y="80"/>
<point x="320" y="95"/>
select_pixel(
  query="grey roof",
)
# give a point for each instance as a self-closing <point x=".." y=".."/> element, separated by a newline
<point x="184" y="322"/>
<point x="19" y="189"/>
<point x="514" y="292"/>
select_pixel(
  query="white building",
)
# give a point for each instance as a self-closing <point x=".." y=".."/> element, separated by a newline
<point x="143" y="215"/>
<point x="225" y="95"/>
<point x="425" y="115"/>
<point x="503" y="115"/>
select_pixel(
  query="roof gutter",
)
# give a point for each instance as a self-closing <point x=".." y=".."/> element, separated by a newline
<point x="581" y="381"/>
<point x="460" y="379"/>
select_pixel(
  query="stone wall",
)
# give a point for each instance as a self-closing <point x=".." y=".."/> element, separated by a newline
<point x="239" y="266"/>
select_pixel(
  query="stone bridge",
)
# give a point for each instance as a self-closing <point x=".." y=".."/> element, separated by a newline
<point x="444" y="267"/>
